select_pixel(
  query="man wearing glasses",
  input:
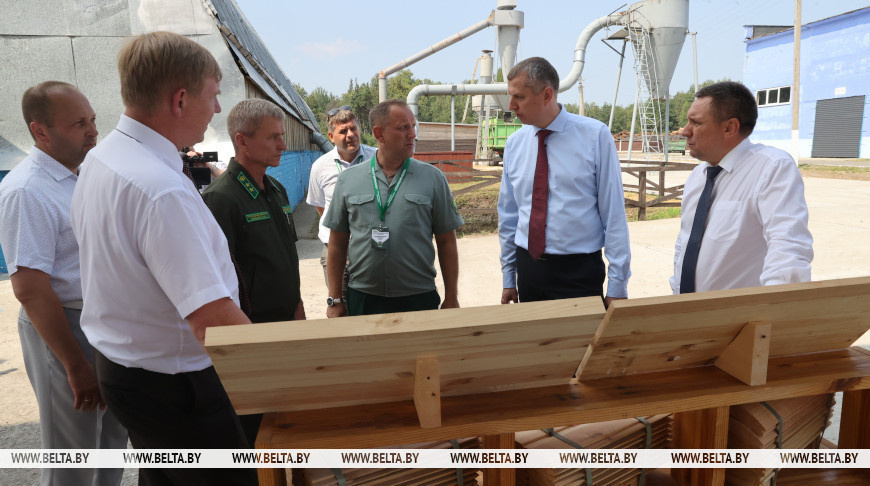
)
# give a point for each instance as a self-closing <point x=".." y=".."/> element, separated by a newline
<point x="348" y="151"/>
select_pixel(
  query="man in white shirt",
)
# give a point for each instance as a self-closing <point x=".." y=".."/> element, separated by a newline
<point x="755" y="231"/>
<point x="43" y="259"/>
<point x="156" y="269"/>
<point x="348" y="151"/>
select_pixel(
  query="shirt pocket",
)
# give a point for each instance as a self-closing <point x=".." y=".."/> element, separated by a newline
<point x="418" y="211"/>
<point x="723" y="222"/>
<point x="361" y="210"/>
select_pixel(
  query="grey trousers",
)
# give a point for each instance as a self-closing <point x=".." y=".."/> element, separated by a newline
<point x="61" y="426"/>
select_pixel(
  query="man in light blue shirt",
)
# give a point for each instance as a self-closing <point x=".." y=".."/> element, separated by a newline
<point x="551" y="248"/>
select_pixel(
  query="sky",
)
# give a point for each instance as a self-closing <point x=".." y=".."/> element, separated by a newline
<point x="328" y="44"/>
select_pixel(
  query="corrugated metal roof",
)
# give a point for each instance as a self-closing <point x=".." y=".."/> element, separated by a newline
<point x="244" y="41"/>
<point x="789" y="30"/>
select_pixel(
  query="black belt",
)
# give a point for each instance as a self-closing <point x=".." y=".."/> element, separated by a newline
<point x="564" y="258"/>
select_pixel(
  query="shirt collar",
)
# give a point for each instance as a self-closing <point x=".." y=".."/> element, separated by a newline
<point x="559" y="123"/>
<point x="380" y="173"/>
<point x="49" y="164"/>
<point x="157" y="144"/>
<point x="729" y="162"/>
<point x="240" y="174"/>
<point x="362" y="155"/>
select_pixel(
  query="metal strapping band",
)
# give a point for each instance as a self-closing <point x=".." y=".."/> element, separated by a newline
<point x="647" y="445"/>
<point x="553" y="433"/>
<point x="779" y="433"/>
<point x="339" y="476"/>
<point x="460" y="477"/>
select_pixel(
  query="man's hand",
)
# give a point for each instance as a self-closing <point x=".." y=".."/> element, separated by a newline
<point x="509" y="295"/>
<point x="450" y="303"/>
<point x="299" y="315"/>
<point x="609" y="300"/>
<point x="83" y="381"/>
<point x="33" y="289"/>
<point x="338" y="310"/>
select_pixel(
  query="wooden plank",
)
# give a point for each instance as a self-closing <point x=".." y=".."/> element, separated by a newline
<point x="679" y="331"/>
<point x="746" y="357"/>
<point x="855" y="420"/>
<point x="270" y="476"/>
<point x="700" y="429"/>
<point x="372" y="359"/>
<point x="500" y="476"/>
<point x="427" y="392"/>
<point x="595" y="401"/>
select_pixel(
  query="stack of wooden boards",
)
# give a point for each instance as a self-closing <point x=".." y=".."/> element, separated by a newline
<point x="391" y="477"/>
<point x="756" y="426"/>
<point x="652" y="432"/>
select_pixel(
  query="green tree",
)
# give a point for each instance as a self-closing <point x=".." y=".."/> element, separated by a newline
<point x="320" y="101"/>
<point x="362" y="98"/>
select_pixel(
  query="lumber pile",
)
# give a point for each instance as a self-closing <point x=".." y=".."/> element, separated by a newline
<point x="617" y="434"/>
<point x="756" y="426"/>
<point x="391" y="477"/>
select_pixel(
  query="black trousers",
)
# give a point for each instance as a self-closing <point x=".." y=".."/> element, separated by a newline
<point x="554" y="277"/>
<point x="362" y="304"/>
<point x="183" y="411"/>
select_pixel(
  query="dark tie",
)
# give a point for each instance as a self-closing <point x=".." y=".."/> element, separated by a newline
<point x="540" y="192"/>
<point x="690" y="259"/>
<point x="185" y="169"/>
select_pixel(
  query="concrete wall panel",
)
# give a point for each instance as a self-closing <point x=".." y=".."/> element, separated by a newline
<point x="65" y="17"/>
<point x="97" y="72"/>
<point x="30" y="61"/>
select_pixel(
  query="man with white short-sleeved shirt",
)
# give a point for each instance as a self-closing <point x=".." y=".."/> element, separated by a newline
<point x="156" y="268"/>
<point x="43" y="260"/>
<point x="348" y="151"/>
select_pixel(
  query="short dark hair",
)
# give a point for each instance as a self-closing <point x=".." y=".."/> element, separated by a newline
<point x="730" y="99"/>
<point x="380" y="114"/>
<point x="539" y="74"/>
<point x="36" y="103"/>
<point x="341" y="116"/>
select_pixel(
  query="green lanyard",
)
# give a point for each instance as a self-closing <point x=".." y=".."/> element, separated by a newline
<point x="338" y="166"/>
<point x="382" y="209"/>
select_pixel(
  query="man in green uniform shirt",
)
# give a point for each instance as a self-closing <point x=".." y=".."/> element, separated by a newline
<point x="253" y="211"/>
<point x="383" y="215"/>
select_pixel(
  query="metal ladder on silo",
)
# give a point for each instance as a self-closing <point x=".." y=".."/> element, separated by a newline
<point x="649" y="111"/>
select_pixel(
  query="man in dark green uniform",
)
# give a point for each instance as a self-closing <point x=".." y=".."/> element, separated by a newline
<point x="253" y="211"/>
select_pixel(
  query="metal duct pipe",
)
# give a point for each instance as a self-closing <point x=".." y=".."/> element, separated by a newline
<point x="580" y="48"/>
<point x="322" y="142"/>
<point x="451" y="89"/>
<point x="501" y="88"/>
<point x="382" y="76"/>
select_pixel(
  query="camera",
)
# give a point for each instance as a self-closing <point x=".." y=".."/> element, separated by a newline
<point x="201" y="175"/>
<point x="195" y="159"/>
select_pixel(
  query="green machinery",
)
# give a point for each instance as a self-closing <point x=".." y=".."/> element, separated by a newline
<point x="499" y="131"/>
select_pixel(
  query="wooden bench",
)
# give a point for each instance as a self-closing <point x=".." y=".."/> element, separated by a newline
<point x="377" y="381"/>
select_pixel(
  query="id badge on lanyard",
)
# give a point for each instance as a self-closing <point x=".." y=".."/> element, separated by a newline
<point x="381" y="233"/>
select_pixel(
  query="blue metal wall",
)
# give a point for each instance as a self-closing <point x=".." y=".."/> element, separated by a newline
<point x="835" y="62"/>
<point x="293" y="173"/>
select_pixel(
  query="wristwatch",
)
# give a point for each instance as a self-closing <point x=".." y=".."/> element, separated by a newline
<point x="331" y="301"/>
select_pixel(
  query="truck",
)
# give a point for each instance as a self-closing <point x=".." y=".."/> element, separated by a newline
<point x="499" y="131"/>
